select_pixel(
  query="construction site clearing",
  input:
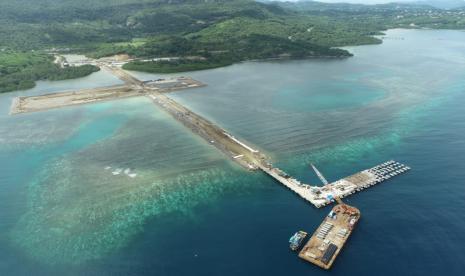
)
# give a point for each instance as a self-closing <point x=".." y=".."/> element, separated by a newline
<point x="85" y="96"/>
<point x="329" y="238"/>
<point x="62" y="99"/>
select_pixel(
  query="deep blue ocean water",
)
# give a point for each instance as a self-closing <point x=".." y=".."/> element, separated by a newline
<point x="190" y="211"/>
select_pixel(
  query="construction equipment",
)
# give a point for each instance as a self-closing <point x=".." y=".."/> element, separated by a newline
<point x="320" y="175"/>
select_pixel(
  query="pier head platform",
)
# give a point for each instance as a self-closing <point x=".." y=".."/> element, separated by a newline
<point x="321" y="196"/>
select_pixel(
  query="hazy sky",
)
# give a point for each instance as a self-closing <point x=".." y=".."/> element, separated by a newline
<point x="357" y="1"/>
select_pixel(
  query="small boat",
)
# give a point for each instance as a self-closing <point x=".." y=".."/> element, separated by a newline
<point x="296" y="240"/>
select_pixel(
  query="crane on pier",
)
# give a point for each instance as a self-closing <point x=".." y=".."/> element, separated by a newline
<point x="320" y="175"/>
<point x="325" y="182"/>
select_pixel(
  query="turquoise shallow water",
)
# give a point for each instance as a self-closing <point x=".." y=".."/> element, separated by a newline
<point x="325" y="96"/>
<point x="191" y="211"/>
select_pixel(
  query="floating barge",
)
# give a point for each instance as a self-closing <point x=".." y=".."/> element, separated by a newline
<point x="329" y="238"/>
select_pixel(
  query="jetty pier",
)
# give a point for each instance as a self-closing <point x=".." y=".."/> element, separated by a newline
<point x="329" y="238"/>
<point x="239" y="151"/>
<point x="321" y="196"/>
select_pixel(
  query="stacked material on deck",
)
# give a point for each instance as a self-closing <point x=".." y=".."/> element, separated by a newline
<point x="329" y="253"/>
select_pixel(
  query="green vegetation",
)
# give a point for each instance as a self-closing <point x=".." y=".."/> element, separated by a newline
<point x="226" y="49"/>
<point x="20" y="70"/>
<point x="374" y="18"/>
<point x="183" y="65"/>
<point x="221" y="31"/>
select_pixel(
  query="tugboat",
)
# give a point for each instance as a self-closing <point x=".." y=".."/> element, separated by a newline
<point x="296" y="240"/>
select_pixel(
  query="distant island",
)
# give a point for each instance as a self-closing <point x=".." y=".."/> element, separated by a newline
<point x="190" y="34"/>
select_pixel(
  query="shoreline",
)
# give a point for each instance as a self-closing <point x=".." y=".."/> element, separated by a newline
<point x="253" y="60"/>
<point x="378" y="36"/>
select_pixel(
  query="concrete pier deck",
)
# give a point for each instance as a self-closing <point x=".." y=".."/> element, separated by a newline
<point x="321" y="196"/>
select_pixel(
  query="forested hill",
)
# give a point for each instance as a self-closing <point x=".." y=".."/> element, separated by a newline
<point x="203" y="33"/>
<point x="207" y="34"/>
<point x="240" y="29"/>
<point x="420" y="14"/>
<point x="34" y="24"/>
<point x="68" y="22"/>
<point x="207" y="25"/>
